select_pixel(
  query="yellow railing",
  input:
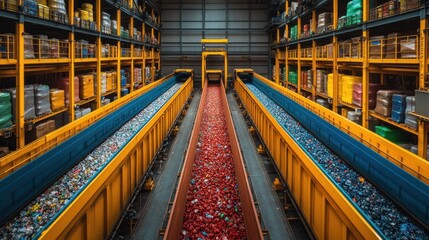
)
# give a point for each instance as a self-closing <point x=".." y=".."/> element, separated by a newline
<point x="7" y="46"/>
<point x="109" y="51"/>
<point x="394" y="47"/>
<point x="324" y="52"/>
<point x="138" y="52"/>
<point x="350" y="48"/>
<point x="125" y="52"/>
<point x="391" y="8"/>
<point x="85" y="50"/>
<point x="148" y="54"/>
<point x="306" y="52"/>
<point x="44" y="48"/>
<point x="10" y="5"/>
<point x="292" y="53"/>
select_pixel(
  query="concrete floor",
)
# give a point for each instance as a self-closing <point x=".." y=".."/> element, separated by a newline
<point x="153" y="213"/>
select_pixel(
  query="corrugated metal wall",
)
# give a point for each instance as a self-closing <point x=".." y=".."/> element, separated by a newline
<point x="186" y="22"/>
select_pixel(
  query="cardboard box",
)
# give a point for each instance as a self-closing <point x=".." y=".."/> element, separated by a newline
<point x="43" y="11"/>
<point x="44" y="128"/>
<point x="408" y="48"/>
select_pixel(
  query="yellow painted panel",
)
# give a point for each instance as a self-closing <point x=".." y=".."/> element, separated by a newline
<point x="99" y="231"/>
<point x="334" y="225"/>
<point x="114" y="204"/>
<point x="290" y="160"/>
<point x="296" y="190"/>
<point x="133" y="170"/>
<point x="78" y="231"/>
<point x="318" y="219"/>
<point x="305" y="193"/>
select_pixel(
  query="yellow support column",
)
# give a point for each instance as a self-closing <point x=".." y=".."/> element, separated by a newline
<point x="365" y="67"/>
<point x="226" y="69"/>
<point x="423" y="125"/>
<point x="118" y="55"/>
<point x="132" y="56"/>
<point x="72" y="46"/>
<point x="20" y="83"/>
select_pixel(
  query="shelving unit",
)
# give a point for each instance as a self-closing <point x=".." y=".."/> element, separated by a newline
<point x="369" y="39"/>
<point x="80" y="42"/>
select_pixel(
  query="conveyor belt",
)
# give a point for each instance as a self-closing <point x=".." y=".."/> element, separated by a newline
<point x="213" y="198"/>
<point x="20" y="187"/>
<point x="402" y="188"/>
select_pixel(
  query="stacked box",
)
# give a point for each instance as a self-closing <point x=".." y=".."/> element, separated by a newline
<point x="57" y="98"/>
<point x="372" y="94"/>
<point x="415" y="149"/>
<point x="123" y="78"/>
<point x="320" y="84"/>
<point x="29" y="109"/>
<point x="391" y="134"/>
<point x="108" y="81"/>
<point x="323" y="102"/>
<point x="398" y="108"/>
<point x="5" y="110"/>
<point x="86" y="86"/>
<point x="330" y="90"/>
<point x="377" y="48"/>
<point x="103" y="82"/>
<point x="409" y="48"/>
<point x="63" y="84"/>
<point x="347" y="87"/>
<point x="41" y="99"/>
<point x="124" y="91"/>
<point x="384" y="102"/>
<point x="30" y="7"/>
<point x="28" y="46"/>
<point x="407" y="5"/>
<point x="354" y="117"/>
<point x="138" y="75"/>
<point x="114" y="80"/>
<point x="411" y="120"/>
<point x="392" y="46"/>
<point x="324" y="22"/>
<point x="43" y="11"/>
<point x="85" y="111"/>
<point x="355" y="47"/>
<point x="293" y="77"/>
<point x="44" y="128"/>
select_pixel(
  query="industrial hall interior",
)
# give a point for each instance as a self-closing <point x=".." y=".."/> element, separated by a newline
<point x="214" y="119"/>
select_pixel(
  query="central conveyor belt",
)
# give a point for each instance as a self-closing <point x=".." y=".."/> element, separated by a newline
<point x="213" y="198"/>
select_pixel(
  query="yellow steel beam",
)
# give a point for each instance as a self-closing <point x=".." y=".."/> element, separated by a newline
<point x="423" y="125"/>
<point x="214" y="41"/>
<point x="20" y="83"/>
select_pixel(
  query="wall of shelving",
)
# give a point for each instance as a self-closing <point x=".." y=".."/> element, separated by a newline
<point x="186" y="22"/>
<point x="60" y="60"/>
<point x="362" y="59"/>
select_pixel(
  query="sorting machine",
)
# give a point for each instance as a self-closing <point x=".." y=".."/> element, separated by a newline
<point x="330" y="212"/>
<point x="93" y="211"/>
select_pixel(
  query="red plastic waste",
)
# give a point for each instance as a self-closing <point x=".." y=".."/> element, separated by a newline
<point x="213" y="209"/>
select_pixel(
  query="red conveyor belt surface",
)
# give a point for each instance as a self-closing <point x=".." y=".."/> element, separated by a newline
<point x="213" y="208"/>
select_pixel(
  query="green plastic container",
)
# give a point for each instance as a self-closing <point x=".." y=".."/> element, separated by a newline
<point x="391" y="134"/>
<point x="5" y="110"/>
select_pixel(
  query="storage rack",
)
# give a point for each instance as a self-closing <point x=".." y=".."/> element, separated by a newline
<point x="324" y="49"/>
<point x="130" y="51"/>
